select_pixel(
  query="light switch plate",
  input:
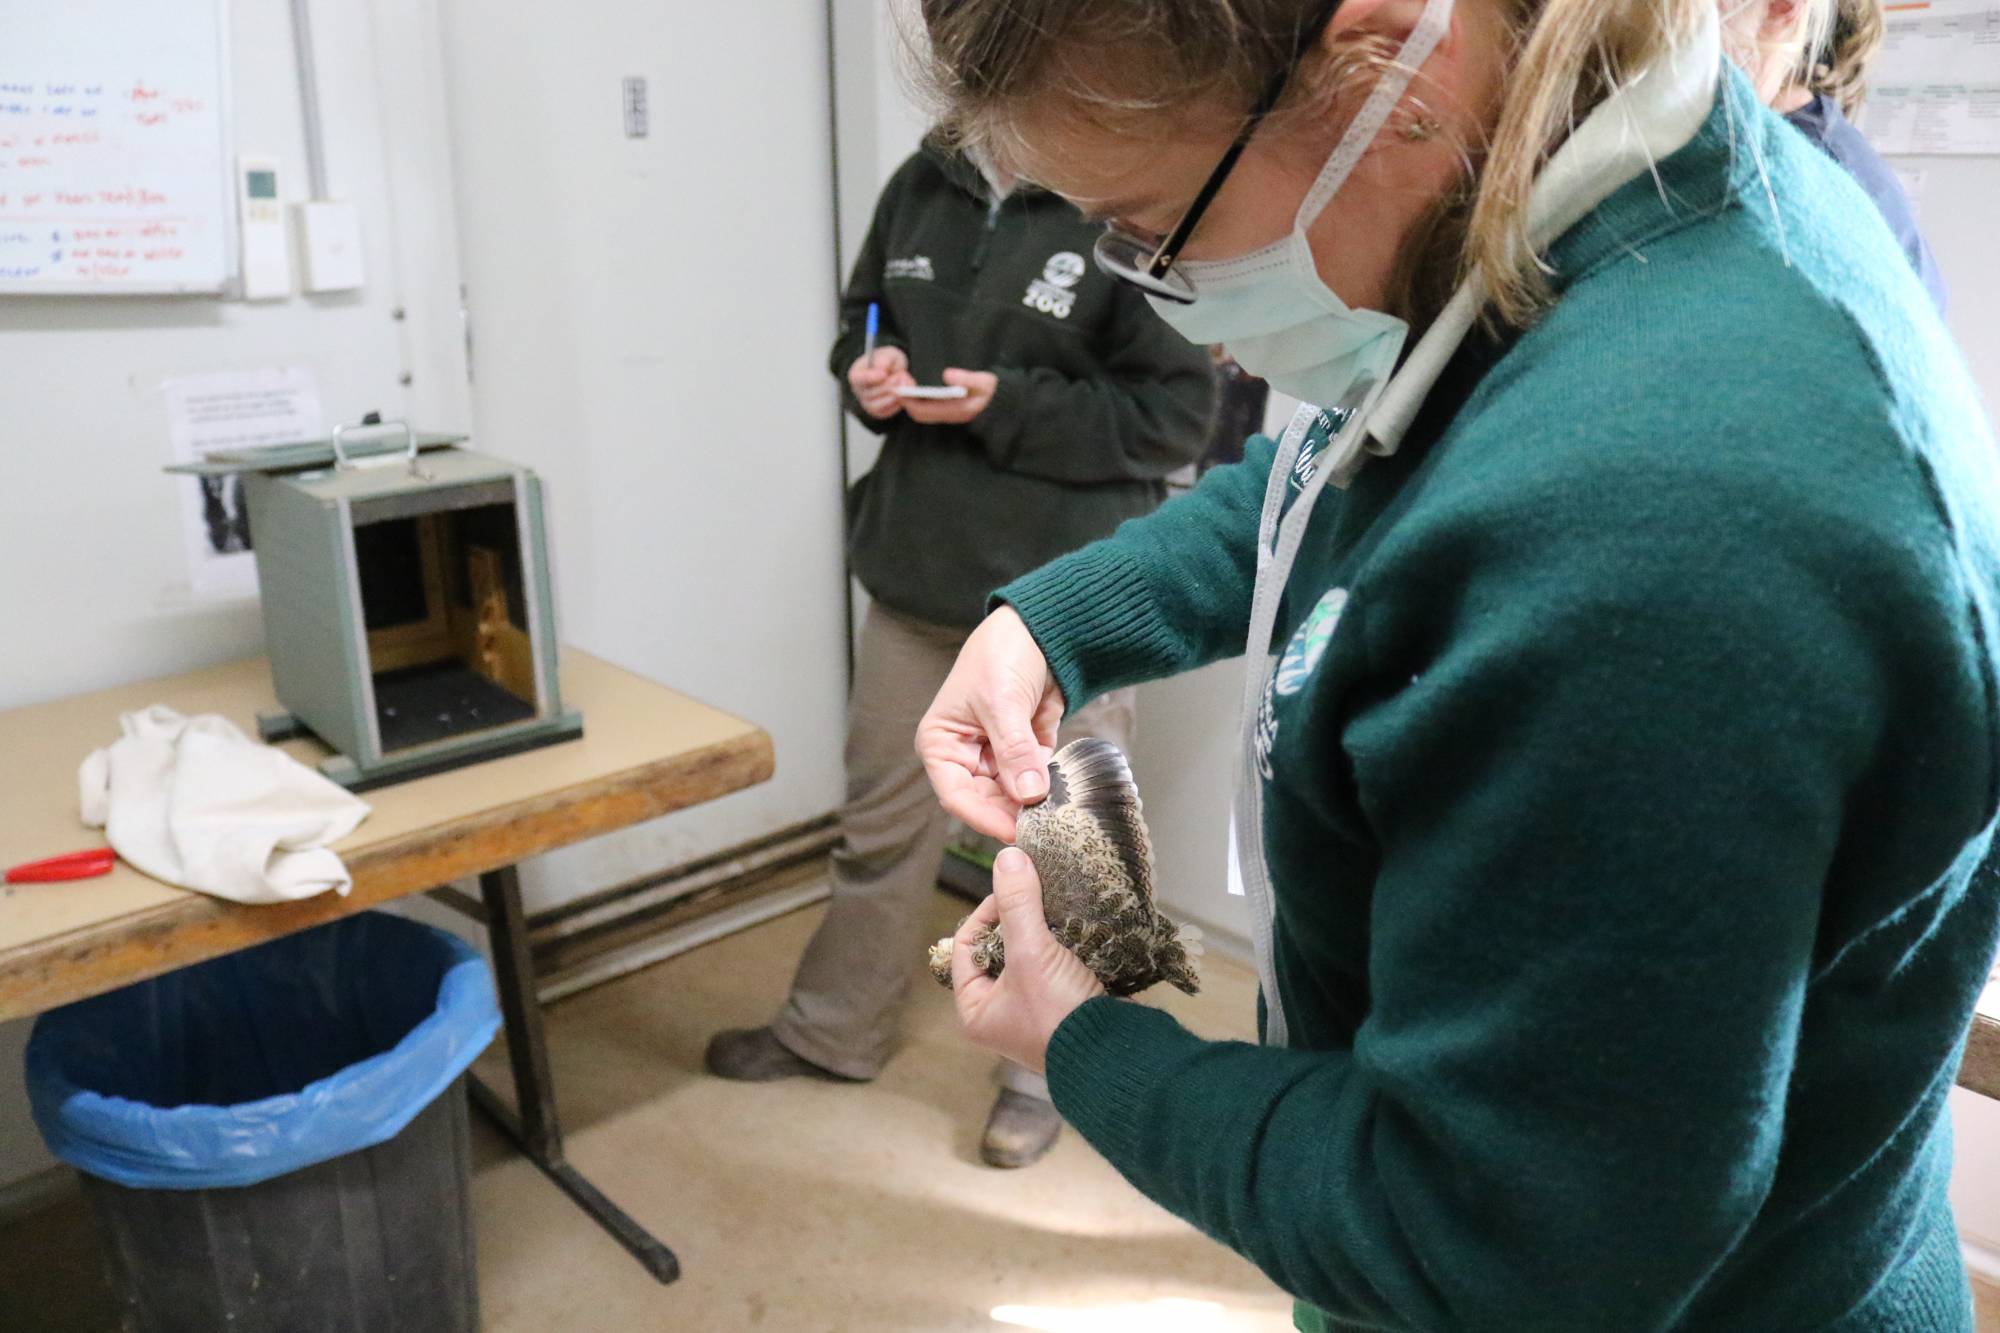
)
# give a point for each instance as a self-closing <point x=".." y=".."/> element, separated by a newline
<point x="330" y="239"/>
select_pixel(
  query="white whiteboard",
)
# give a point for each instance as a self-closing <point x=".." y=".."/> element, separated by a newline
<point x="114" y="147"/>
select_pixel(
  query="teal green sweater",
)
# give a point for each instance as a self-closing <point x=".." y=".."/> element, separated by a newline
<point x="1626" y="798"/>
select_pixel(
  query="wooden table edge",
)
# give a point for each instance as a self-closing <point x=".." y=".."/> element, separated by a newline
<point x="90" y="961"/>
<point x="1980" y="1071"/>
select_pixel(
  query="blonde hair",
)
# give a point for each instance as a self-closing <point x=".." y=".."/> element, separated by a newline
<point x="1112" y="59"/>
<point x="1841" y="69"/>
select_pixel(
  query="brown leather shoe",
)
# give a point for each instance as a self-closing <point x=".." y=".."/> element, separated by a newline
<point x="755" y="1055"/>
<point x="1020" y="1130"/>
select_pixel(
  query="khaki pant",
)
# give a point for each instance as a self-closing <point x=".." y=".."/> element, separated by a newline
<point x="844" y="1013"/>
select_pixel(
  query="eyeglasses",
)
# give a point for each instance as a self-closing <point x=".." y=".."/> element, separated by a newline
<point x="1149" y="267"/>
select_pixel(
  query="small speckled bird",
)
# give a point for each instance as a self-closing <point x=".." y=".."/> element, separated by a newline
<point x="1089" y="845"/>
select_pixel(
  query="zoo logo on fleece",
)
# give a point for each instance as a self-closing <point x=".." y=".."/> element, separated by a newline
<point x="1054" y="293"/>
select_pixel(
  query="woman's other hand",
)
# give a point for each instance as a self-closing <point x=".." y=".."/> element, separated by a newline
<point x="1016" y="1013"/>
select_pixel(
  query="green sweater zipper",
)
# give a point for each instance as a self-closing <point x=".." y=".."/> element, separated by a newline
<point x="986" y="233"/>
<point x="1633" y="761"/>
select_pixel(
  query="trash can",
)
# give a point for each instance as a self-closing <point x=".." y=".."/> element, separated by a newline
<point x="277" y="1140"/>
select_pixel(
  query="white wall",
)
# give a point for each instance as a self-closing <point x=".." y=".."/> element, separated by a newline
<point x="650" y="322"/>
<point x="95" y="559"/>
<point x="1975" y="1179"/>
<point x="93" y="578"/>
<point x="1185" y="760"/>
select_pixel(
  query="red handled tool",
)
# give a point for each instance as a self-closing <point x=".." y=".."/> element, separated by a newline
<point x="71" y="865"/>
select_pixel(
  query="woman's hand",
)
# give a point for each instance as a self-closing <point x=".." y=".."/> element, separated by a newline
<point x="987" y="738"/>
<point x="1016" y="1013"/>
<point x="875" y="378"/>
<point x="979" y="386"/>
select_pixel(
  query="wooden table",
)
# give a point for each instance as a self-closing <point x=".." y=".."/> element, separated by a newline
<point x="645" y="751"/>
<point x="1981" y="1070"/>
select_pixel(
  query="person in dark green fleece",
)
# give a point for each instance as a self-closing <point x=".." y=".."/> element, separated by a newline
<point x="1620" y="749"/>
<point x="1077" y="403"/>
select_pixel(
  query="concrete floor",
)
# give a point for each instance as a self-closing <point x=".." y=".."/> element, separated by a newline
<point x="793" y="1206"/>
<point x="806" y="1205"/>
<point x="798" y="1205"/>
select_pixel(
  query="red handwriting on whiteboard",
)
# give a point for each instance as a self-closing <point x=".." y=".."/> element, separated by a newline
<point x="130" y="196"/>
<point x="141" y="93"/>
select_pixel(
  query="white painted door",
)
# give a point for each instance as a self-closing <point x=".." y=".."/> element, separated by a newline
<point x="650" y="319"/>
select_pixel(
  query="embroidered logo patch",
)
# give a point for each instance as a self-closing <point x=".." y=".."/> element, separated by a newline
<point x="1054" y="293"/>
<point x="1266" y="736"/>
<point x="917" y="267"/>
<point x="1318" y="435"/>
<point x="1308" y="644"/>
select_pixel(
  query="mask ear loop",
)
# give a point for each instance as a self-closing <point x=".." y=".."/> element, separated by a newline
<point x="1431" y="27"/>
<point x="1652" y="117"/>
<point x="1274" y="563"/>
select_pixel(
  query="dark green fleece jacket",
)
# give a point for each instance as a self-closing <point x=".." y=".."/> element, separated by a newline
<point x="1632" y="762"/>
<point x="1098" y="400"/>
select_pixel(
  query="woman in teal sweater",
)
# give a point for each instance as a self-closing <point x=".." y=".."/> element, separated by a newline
<point x="1619" y="733"/>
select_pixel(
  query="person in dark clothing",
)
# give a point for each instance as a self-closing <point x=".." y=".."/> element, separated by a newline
<point x="1239" y="410"/>
<point x="1817" y="95"/>
<point x="1079" y="399"/>
<point x="1820" y="119"/>
<point x="1076" y="404"/>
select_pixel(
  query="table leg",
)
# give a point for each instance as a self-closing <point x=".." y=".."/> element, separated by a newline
<point x="536" y="1128"/>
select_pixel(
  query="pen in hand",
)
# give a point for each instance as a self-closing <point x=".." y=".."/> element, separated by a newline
<point x="874" y="323"/>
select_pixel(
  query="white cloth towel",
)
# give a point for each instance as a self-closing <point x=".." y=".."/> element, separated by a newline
<point x="195" y="802"/>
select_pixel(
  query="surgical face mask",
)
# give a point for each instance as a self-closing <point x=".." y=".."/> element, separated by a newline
<point x="1270" y="308"/>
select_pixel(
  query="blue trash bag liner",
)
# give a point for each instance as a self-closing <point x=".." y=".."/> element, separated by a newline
<point x="262" y="1062"/>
